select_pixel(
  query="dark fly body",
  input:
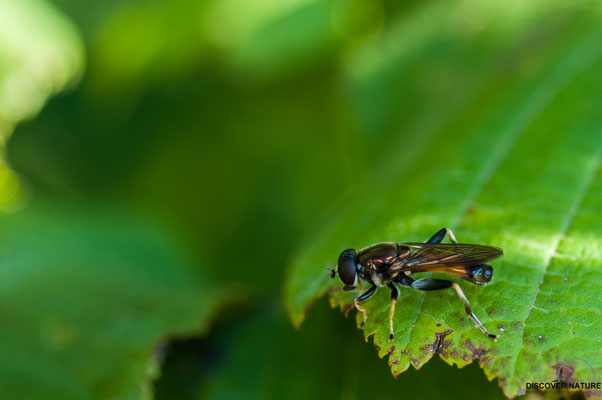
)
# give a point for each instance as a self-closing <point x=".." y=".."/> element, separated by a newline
<point x="387" y="264"/>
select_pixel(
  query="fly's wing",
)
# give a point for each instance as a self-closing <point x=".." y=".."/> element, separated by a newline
<point x="446" y="254"/>
<point x="466" y="261"/>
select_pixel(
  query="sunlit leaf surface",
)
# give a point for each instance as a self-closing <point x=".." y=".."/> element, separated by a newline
<point x="505" y="150"/>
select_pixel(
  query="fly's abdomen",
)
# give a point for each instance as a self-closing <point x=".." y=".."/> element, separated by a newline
<point x="479" y="274"/>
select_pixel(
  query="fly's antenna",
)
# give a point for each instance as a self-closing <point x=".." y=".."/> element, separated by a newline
<point x="332" y="272"/>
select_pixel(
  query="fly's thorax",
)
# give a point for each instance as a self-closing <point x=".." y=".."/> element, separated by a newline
<point x="372" y="277"/>
<point x="379" y="279"/>
<point x="377" y="256"/>
<point x="375" y="261"/>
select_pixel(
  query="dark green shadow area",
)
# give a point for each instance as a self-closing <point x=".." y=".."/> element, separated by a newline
<point x="257" y="351"/>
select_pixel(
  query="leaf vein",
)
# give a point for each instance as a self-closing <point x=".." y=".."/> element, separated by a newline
<point x="532" y="108"/>
<point x="575" y="206"/>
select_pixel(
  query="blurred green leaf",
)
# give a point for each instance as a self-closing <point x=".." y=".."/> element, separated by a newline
<point x="293" y="37"/>
<point x="325" y="360"/>
<point x="143" y="42"/>
<point x="502" y="143"/>
<point x="40" y="53"/>
<point x="87" y="296"/>
<point x="251" y="43"/>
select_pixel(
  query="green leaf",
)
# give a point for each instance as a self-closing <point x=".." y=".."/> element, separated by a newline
<point x="87" y="297"/>
<point x="255" y="41"/>
<point x="324" y="361"/>
<point x="501" y="140"/>
<point x="40" y="53"/>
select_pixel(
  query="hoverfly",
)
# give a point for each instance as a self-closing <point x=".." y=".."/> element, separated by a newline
<point x="384" y="264"/>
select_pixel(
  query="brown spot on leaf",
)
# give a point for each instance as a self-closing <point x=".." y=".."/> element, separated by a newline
<point x="308" y="308"/>
<point x="334" y="301"/>
<point x="438" y="324"/>
<point x="435" y="346"/>
<point x="415" y="362"/>
<point x="391" y="350"/>
<point x="377" y="348"/>
<point x="477" y="353"/>
<point x="567" y="372"/>
<point x="516" y="326"/>
<point x="396" y="362"/>
<point x="440" y="336"/>
<point x="445" y="344"/>
<point x="346" y="308"/>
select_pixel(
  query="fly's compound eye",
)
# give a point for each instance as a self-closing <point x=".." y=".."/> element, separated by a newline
<point x="346" y="268"/>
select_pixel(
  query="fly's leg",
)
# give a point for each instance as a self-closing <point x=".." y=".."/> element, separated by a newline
<point x="363" y="297"/>
<point x="438" y="284"/>
<point x="438" y="237"/>
<point x="394" y="295"/>
<point x="474" y="318"/>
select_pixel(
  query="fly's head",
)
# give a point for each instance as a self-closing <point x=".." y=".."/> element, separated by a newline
<point x="347" y="269"/>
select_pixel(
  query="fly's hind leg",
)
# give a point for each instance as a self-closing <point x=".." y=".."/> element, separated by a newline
<point x="394" y="295"/>
<point x="438" y="237"/>
<point x="363" y="297"/>
<point x="428" y="284"/>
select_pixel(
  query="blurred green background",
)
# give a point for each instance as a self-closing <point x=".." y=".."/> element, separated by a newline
<point x="186" y="148"/>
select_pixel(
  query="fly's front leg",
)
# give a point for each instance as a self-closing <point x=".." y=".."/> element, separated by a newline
<point x="394" y="295"/>
<point x="363" y="297"/>
<point x="438" y="237"/>
<point x="438" y="284"/>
